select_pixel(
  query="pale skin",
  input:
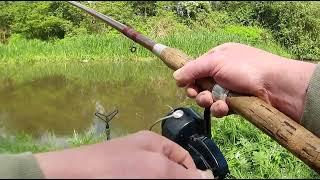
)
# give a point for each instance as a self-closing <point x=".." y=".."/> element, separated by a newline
<point x="141" y="155"/>
<point x="246" y="70"/>
<point x="243" y="69"/>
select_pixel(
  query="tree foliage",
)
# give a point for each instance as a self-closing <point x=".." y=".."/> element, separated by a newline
<point x="295" y="25"/>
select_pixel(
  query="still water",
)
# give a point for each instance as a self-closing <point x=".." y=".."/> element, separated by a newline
<point x="63" y="106"/>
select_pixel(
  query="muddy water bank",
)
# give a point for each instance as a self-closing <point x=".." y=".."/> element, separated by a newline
<point x="62" y="106"/>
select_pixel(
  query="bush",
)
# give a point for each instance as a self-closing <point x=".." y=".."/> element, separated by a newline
<point x="295" y="25"/>
<point x="43" y="27"/>
<point x="190" y="9"/>
<point x="253" y="34"/>
<point x="33" y="20"/>
<point x="144" y="8"/>
<point x="161" y="25"/>
<point x="211" y="21"/>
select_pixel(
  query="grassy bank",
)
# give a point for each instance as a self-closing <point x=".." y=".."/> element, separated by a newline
<point x="98" y="57"/>
<point x="252" y="154"/>
<point x="22" y="142"/>
<point x="116" y="47"/>
<point x="107" y="58"/>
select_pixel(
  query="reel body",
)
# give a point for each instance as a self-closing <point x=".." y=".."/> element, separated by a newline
<point x="190" y="131"/>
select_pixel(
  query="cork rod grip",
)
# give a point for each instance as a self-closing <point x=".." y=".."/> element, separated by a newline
<point x="288" y="133"/>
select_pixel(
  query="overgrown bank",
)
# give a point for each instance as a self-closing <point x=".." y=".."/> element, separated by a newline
<point x="294" y="25"/>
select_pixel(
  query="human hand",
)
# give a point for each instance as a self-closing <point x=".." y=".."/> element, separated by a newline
<point x="246" y="70"/>
<point x="141" y="155"/>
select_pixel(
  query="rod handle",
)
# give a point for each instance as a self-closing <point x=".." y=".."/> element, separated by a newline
<point x="288" y="133"/>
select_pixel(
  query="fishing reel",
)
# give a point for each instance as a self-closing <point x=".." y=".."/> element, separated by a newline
<point x="185" y="127"/>
<point x="192" y="132"/>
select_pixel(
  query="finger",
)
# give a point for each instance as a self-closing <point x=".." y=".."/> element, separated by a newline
<point x="219" y="109"/>
<point x="196" y="69"/>
<point x="193" y="70"/>
<point x="216" y="49"/>
<point x="153" y="142"/>
<point x="177" y="154"/>
<point x="192" y="91"/>
<point x="199" y="68"/>
<point x="181" y="173"/>
<point x="204" y="99"/>
<point x="207" y="174"/>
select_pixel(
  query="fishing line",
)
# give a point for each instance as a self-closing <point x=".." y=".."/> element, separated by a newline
<point x="177" y="114"/>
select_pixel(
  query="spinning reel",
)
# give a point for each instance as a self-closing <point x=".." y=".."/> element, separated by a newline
<point x="192" y="132"/>
<point x="185" y="127"/>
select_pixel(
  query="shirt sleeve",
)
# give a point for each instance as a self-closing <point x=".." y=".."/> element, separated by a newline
<point x="19" y="166"/>
<point x="311" y="115"/>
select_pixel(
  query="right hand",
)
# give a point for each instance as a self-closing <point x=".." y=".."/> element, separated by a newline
<point x="246" y="70"/>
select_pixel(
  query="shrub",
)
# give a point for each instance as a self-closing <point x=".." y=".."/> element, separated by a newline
<point x="211" y="21"/>
<point x="295" y="25"/>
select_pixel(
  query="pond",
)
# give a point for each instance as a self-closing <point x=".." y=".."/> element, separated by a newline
<point x="62" y="106"/>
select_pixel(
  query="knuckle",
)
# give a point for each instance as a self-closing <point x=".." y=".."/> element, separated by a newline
<point x="167" y="147"/>
<point x="191" y="63"/>
<point x="148" y="135"/>
<point x="145" y="133"/>
<point x="142" y="134"/>
<point x="227" y="46"/>
<point x="230" y="44"/>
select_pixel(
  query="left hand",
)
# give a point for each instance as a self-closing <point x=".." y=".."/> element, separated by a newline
<point x="141" y="155"/>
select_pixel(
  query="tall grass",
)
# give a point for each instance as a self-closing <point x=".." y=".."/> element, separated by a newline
<point x="89" y="47"/>
<point x="117" y="47"/>
<point x="252" y="154"/>
<point x="98" y="57"/>
<point x="23" y="142"/>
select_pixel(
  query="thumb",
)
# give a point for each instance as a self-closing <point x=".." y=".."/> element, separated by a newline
<point x="199" y="68"/>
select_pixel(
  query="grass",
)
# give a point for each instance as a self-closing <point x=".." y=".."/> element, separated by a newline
<point x="252" y="154"/>
<point x="117" y="47"/>
<point x="107" y="58"/>
<point x="24" y="142"/>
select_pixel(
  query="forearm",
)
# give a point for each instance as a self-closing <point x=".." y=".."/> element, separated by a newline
<point x="19" y="166"/>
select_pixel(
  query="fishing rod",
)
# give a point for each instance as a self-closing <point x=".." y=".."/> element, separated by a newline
<point x="288" y="133"/>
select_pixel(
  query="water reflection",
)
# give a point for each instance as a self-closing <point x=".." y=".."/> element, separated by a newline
<point x="62" y="106"/>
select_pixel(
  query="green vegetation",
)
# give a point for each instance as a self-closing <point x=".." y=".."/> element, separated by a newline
<point x="42" y="39"/>
<point x="252" y="154"/>
<point x="294" y="25"/>
<point x="98" y="57"/>
<point x="117" y="47"/>
<point x="26" y="143"/>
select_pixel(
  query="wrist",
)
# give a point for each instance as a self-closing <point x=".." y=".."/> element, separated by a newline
<point x="59" y="164"/>
<point x="288" y="83"/>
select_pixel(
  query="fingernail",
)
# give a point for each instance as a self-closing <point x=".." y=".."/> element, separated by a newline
<point x="177" y="74"/>
<point x="206" y="174"/>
